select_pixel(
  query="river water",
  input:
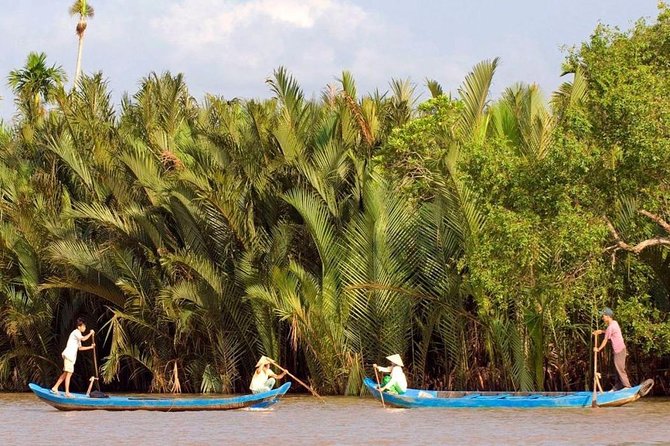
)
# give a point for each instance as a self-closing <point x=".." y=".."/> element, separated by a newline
<point x="299" y="420"/>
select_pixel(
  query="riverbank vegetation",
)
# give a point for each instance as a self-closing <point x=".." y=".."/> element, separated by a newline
<point x="477" y="236"/>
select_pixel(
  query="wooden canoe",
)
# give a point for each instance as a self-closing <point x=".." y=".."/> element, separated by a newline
<point x="435" y="399"/>
<point x="163" y="403"/>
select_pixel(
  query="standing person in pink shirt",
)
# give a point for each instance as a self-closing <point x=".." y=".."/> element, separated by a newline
<point x="613" y="333"/>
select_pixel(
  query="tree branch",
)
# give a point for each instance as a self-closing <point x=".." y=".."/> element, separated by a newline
<point x="656" y="219"/>
<point x="637" y="249"/>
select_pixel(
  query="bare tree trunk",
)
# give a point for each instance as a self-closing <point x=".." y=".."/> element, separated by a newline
<point x="77" y="71"/>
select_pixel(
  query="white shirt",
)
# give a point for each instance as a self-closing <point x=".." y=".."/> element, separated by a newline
<point x="73" y="344"/>
<point x="397" y="377"/>
<point x="259" y="379"/>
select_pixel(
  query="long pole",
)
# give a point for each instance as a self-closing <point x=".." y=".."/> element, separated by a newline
<point x="594" y="398"/>
<point x="95" y="364"/>
<point x="381" y="393"/>
<point x="303" y="384"/>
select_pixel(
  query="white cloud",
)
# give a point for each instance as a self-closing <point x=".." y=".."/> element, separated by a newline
<point x="194" y="23"/>
<point x="242" y="42"/>
<point x="230" y="47"/>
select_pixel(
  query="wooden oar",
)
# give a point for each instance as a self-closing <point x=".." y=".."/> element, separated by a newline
<point x="93" y="378"/>
<point x="381" y="393"/>
<point x="95" y="364"/>
<point x="594" y="398"/>
<point x="303" y="384"/>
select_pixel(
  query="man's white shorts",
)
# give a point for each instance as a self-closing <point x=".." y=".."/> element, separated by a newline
<point x="68" y="366"/>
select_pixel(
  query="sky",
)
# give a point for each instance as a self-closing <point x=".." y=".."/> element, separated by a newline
<point x="230" y="48"/>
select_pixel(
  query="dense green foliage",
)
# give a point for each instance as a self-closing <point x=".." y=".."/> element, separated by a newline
<point x="477" y="238"/>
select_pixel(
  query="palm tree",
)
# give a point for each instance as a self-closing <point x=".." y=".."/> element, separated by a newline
<point x="84" y="11"/>
<point x="35" y="84"/>
<point x="202" y="235"/>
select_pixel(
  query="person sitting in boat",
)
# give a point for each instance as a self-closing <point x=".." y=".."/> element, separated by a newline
<point x="613" y="333"/>
<point x="396" y="381"/>
<point x="264" y="378"/>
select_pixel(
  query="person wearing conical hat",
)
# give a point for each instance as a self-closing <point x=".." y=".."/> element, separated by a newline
<point x="396" y="381"/>
<point x="264" y="378"/>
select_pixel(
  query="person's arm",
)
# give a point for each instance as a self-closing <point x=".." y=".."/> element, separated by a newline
<point x="274" y="375"/>
<point x="88" y="347"/>
<point x="605" y="339"/>
<point x="385" y="370"/>
<point x="90" y="333"/>
<point x="389" y="384"/>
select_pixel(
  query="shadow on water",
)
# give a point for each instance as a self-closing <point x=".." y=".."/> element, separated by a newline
<point x="343" y="420"/>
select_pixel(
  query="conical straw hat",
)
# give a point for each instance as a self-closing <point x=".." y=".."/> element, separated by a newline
<point x="264" y="360"/>
<point x="395" y="359"/>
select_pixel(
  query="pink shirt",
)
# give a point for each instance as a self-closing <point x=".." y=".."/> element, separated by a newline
<point x="613" y="333"/>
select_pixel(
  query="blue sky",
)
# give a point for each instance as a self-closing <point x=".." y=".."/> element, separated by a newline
<point x="230" y="47"/>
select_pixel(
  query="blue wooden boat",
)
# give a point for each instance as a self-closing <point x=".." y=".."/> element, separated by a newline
<point x="79" y="401"/>
<point x="431" y="398"/>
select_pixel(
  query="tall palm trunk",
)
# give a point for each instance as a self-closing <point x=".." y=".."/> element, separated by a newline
<point x="80" y="26"/>
<point x="84" y="11"/>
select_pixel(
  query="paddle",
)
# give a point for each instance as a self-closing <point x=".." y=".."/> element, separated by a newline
<point x="92" y="379"/>
<point x="381" y="393"/>
<point x="594" y="398"/>
<point x="300" y="382"/>
<point x="95" y="364"/>
<point x="99" y="393"/>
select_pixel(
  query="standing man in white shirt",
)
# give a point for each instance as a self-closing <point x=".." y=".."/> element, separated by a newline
<point x="70" y="355"/>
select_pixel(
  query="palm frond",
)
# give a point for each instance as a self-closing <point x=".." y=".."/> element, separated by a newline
<point x="474" y="93"/>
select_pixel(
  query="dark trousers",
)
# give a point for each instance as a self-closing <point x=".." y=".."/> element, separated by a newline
<point x="620" y="365"/>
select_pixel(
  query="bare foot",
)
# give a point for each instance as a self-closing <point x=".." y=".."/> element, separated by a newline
<point x="69" y="395"/>
<point x="54" y="391"/>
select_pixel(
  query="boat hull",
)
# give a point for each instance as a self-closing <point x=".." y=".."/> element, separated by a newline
<point x="159" y="403"/>
<point x="414" y="398"/>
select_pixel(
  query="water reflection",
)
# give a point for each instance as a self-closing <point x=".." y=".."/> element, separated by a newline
<point x="304" y="420"/>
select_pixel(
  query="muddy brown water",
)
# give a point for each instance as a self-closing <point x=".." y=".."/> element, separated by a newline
<point x="299" y="420"/>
